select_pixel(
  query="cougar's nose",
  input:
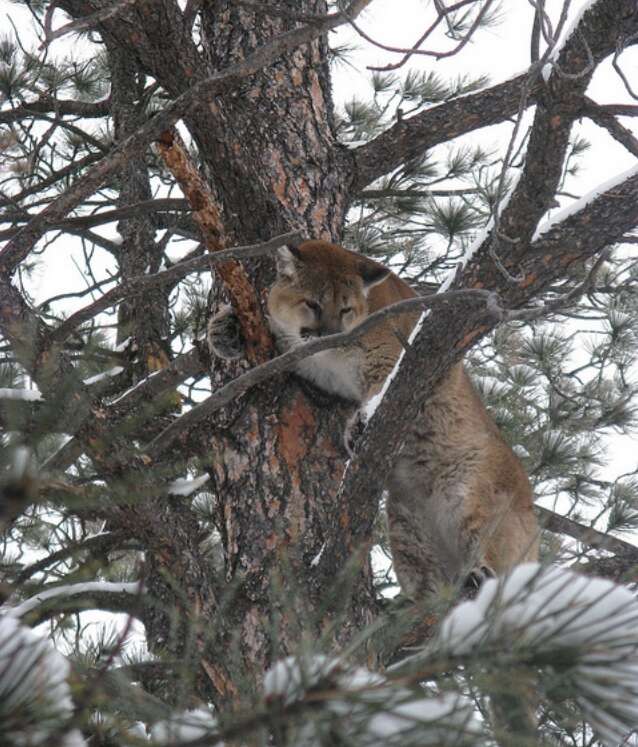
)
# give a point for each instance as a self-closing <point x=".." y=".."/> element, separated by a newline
<point x="329" y="327"/>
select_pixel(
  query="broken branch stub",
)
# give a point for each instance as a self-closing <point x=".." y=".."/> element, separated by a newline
<point x="207" y="215"/>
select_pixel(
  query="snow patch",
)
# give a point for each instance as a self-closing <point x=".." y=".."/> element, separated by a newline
<point x="184" y="486"/>
<point x="26" y="395"/>
<point x="102" y="376"/>
<point x="135" y="386"/>
<point x="588" y="628"/>
<point x="520" y="451"/>
<point x="365" y="708"/>
<point x="33" y="683"/>
<point x="186" y="726"/>
<point x="577" y="205"/>
<point x="122" y="346"/>
<point x="290" y="678"/>
<point x="370" y="406"/>
<point x="315" y="561"/>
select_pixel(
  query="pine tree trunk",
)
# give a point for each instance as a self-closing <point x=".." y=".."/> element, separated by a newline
<point x="277" y="456"/>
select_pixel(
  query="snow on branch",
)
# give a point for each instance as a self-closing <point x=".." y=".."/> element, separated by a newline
<point x="583" y="629"/>
<point x="77" y="595"/>
<point x="366" y="709"/>
<point x="580" y="204"/>
<point x="35" y="698"/>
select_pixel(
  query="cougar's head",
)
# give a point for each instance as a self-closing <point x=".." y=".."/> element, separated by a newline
<point x="321" y="289"/>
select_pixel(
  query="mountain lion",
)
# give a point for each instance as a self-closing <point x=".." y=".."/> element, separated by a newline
<point x="459" y="500"/>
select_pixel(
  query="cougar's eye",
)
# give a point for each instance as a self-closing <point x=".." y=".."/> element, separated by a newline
<point x="313" y="306"/>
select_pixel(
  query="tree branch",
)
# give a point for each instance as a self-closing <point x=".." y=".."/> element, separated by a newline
<point x="54" y="600"/>
<point x="73" y="167"/>
<point x="87" y="22"/>
<point x="602" y="117"/>
<point x="48" y="105"/>
<point x="411" y="137"/>
<point x="98" y="544"/>
<point x="558" y="524"/>
<point x="207" y="215"/>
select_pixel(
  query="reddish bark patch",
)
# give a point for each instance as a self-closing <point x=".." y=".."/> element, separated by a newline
<point x="297" y="426"/>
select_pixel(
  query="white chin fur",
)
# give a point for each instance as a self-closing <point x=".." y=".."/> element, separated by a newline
<point x="333" y="372"/>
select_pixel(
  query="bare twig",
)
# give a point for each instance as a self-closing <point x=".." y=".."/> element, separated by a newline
<point x="620" y="48"/>
<point x="415" y="49"/>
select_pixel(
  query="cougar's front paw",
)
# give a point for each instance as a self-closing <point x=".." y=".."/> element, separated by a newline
<point x="224" y="334"/>
<point x="477" y="576"/>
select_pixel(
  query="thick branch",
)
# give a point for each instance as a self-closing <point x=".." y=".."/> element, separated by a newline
<point x="411" y="137"/>
<point x="60" y="107"/>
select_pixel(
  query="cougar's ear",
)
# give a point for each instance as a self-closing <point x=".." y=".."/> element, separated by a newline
<point x="288" y="258"/>
<point x="372" y="273"/>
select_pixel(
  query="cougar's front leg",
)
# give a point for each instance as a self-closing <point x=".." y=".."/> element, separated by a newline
<point x="414" y="558"/>
<point x="475" y="567"/>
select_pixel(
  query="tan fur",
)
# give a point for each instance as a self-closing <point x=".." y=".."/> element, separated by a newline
<point x="458" y="496"/>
